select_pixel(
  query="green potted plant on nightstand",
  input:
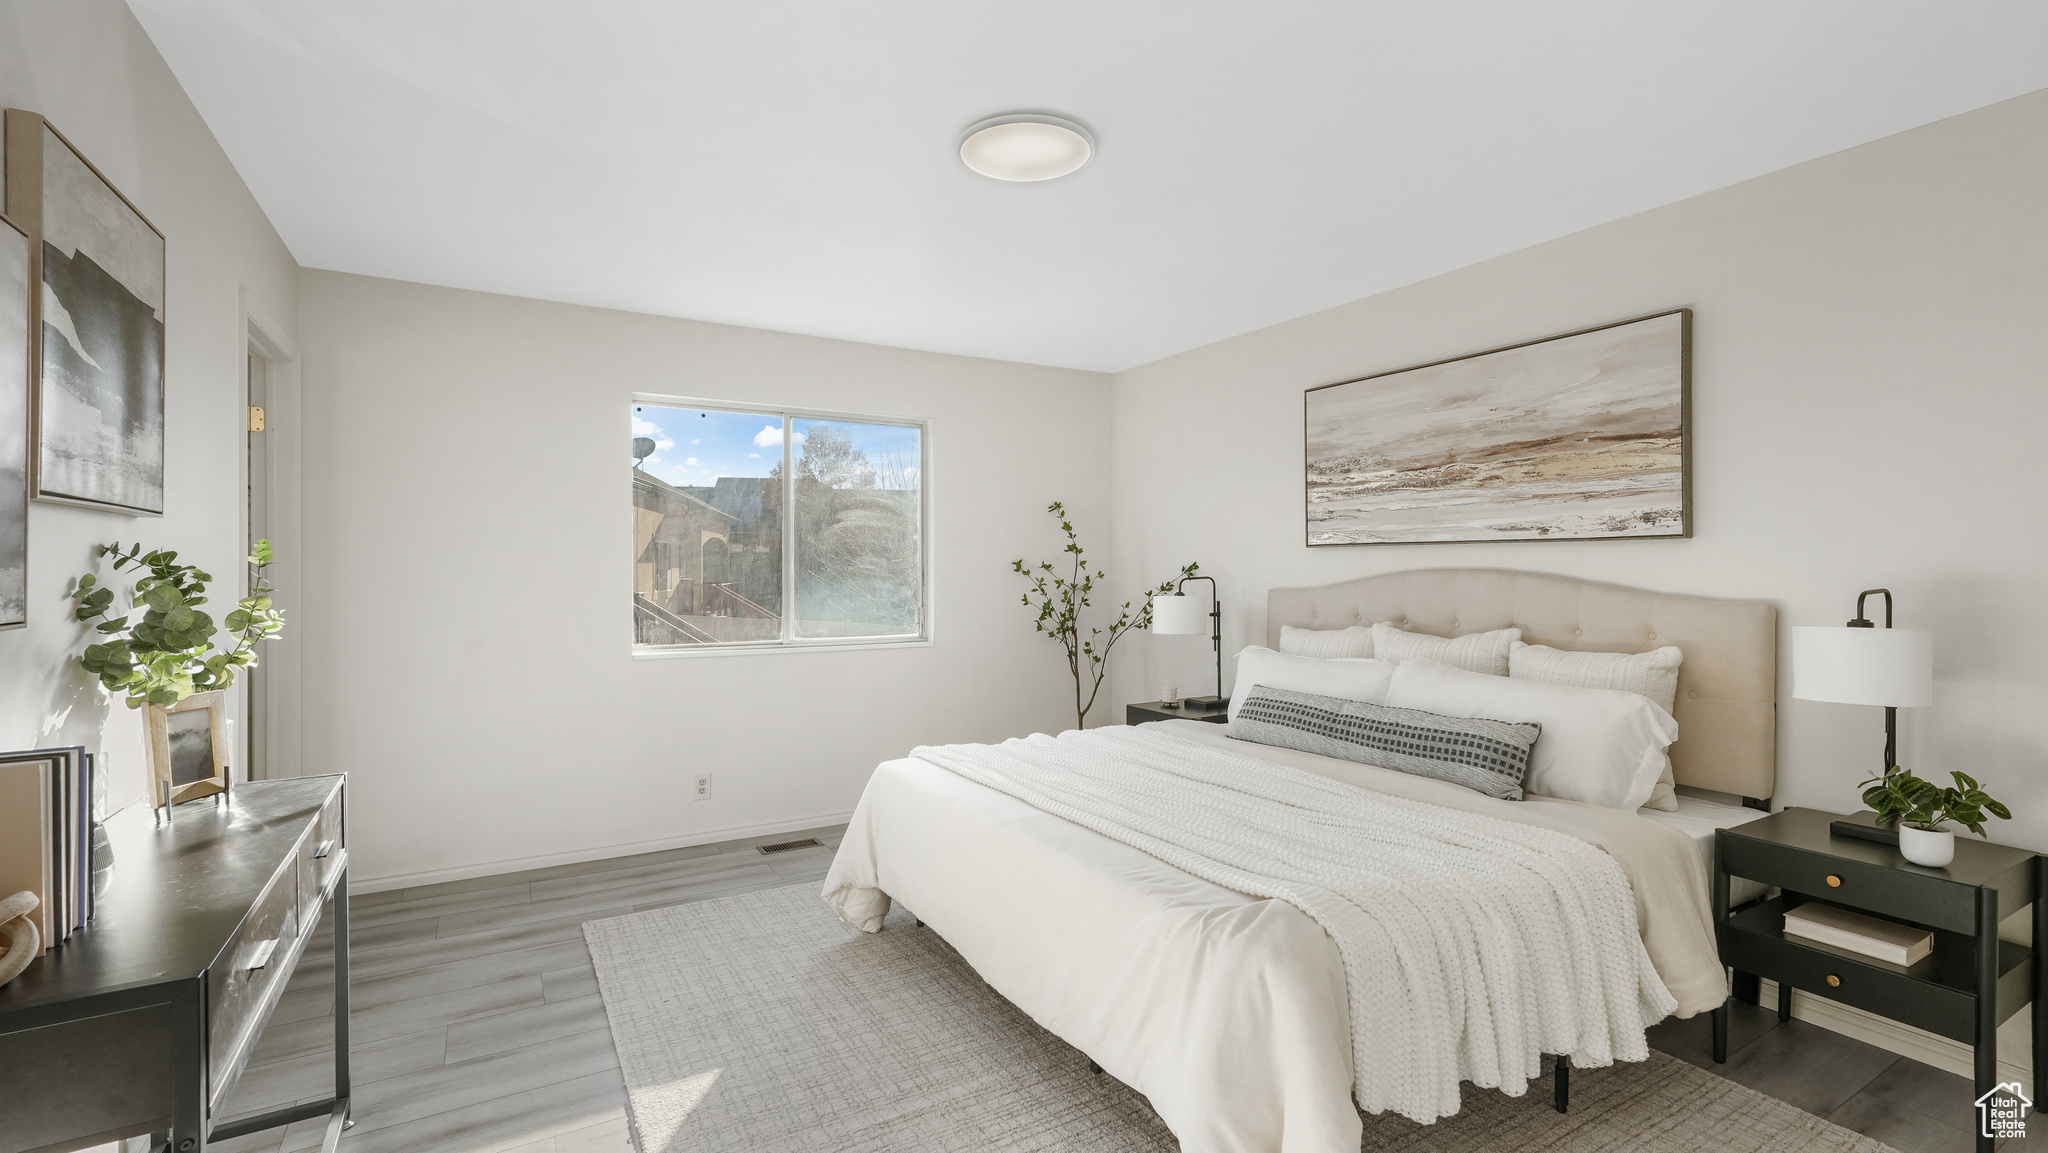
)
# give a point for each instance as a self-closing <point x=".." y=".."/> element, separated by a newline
<point x="1921" y="808"/>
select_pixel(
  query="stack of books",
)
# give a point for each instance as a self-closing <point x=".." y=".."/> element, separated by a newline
<point x="46" y="836"/>
<point x="1870" y="936"/>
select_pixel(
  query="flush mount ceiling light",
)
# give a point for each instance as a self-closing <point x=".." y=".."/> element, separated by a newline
<point x="1024" y="146"/>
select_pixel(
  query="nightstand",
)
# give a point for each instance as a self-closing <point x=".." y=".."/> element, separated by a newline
<point x="1161" y="711"/>
<point x="1963" y="990"/>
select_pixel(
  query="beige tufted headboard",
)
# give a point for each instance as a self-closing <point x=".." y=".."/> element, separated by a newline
<point x="1727" y="687"/>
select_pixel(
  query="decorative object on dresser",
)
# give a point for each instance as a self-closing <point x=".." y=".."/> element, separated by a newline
<point x="1865" y="665"/>
<point x="1059" y="601"/>
<point x="144" y="1024"/>
<point x="1963" y="989"/>
<point x="166" y="663"/>
<point x="96" y="332"/>
<point x="1584" y="435"/>
<point x="188" y="748"/>
<point x="14" y="393"/>
<point x="1168" y="711"/>
<point x="21" y="941"/>
<point x="1181" y="615"/>
<point x="1918" y="809"/>
<point x="46" y="836"/>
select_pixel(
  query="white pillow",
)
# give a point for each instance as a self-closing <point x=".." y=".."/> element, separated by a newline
<point x="1354" y="679"/>
<point x="1653" y="674"/>
<point x="1355" y="641"/>
<point x="1601" y="746"/>
<point x="1476" y="652"/>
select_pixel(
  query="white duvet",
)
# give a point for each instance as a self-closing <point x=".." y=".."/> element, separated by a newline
<point x="1115" y="885"/>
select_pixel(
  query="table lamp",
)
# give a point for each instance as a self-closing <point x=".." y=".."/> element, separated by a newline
<point x="1866" y="665"/>
<point x="1182" y="615"/>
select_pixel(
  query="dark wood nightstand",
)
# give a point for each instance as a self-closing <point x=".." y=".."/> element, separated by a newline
<point x="1161" y="711"/>
<point x="1963" y="990"/>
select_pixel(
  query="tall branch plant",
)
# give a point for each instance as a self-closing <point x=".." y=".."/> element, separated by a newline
<point x="1059" y="600"/>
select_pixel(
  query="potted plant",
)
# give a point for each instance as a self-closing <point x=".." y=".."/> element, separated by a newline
<point x="166" y="662"/>
<point x="1921" y="808"/>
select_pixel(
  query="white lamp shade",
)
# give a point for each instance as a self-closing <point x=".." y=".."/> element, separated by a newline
<point x="1892" y="667"/>
<point x="1181" y="615"/>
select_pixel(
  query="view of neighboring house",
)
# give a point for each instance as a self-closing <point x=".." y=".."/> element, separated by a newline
<point x="696" y="565"/>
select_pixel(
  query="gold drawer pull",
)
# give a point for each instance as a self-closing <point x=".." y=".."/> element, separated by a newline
<point x="1834" y="982"/>
<point x="1834" y="882"/>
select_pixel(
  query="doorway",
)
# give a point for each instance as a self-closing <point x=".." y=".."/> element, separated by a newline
<point x="256" y="740"/>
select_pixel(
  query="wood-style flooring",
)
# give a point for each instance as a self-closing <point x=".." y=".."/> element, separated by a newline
<point x="477" y="1026"/>
<point x="474" y="1017"/>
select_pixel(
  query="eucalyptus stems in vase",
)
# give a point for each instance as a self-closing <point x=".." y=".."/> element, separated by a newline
<point x="168" y="655"/>
<point x="1059" y="601"/>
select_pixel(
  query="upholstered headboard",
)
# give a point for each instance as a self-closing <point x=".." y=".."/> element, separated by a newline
<point x="1727" y="687"/>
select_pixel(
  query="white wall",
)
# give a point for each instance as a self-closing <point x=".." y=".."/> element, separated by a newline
<point x="1870" y="399"/>
<point x="467" y="618"/>
<point x="87" y="65"/>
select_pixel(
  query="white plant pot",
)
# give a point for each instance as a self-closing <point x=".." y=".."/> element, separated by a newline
<point x="1923" y="847"/>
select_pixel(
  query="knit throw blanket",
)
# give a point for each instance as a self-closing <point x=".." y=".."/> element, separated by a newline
<point x="1471" y="946"/>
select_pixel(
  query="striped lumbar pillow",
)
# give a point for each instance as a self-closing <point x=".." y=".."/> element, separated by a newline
<point x="1485" y="652"/>
<point x="1489" y="757"/>
<point x="1353" y="642"/>
<point x="1653" y="674"/>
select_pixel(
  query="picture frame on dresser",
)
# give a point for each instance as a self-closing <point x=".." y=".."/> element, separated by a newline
<point x="96" y="326"/>
<point x="188" y="748"/>
<point x="1586" y="435"/>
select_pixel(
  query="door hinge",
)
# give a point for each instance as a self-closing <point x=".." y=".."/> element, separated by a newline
<point x="255" y="419"/>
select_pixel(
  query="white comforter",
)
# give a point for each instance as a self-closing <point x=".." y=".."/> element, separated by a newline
<point x="1246" y="1022"/>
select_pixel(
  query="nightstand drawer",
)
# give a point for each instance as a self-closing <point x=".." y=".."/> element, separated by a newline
<point x="1923" y="897"/>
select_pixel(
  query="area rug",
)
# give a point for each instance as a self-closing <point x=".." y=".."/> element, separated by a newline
<point x="760" y="1023"/>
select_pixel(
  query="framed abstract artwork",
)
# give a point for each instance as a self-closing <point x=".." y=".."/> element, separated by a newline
<point x="1584" y="436"/>
<point x="97" y="328"/>
<point x="14" y="388"/>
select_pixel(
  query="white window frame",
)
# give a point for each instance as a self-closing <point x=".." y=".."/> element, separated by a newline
<point x="789" y="642"/>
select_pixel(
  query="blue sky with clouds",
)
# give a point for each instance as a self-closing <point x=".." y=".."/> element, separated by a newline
<point x="697" y="446"/>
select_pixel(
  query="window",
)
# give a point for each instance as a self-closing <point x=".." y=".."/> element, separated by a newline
<point x="728" y="555"/>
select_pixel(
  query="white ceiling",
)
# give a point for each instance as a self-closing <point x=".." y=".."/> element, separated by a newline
<point x="789" y="164"/>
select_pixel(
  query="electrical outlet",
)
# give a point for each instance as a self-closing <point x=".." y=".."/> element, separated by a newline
<point x="702" y="792"/>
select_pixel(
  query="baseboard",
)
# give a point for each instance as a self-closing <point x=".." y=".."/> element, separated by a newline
<point x="1905" y="1040"/>
<point x="387" y="881"/>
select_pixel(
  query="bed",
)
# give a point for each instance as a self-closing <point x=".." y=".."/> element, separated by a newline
<point x="1233" y="1012"/>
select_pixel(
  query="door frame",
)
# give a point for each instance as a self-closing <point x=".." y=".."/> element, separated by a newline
<point x="265" y="338"/>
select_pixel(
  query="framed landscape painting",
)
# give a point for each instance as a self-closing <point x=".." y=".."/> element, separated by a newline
<point x="1583" y="436"/>
<point x="98" y="328"/>
<point x="14" y="282"/>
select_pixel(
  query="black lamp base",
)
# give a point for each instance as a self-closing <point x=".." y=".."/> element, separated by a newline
<point x="1864" y="826"/>
<point x="1207" y="702"/>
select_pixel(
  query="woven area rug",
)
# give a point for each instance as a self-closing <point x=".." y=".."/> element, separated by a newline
<point x="760" y="1023"/>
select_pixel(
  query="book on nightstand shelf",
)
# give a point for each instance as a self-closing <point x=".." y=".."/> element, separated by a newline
<point x="1870" y="936"/>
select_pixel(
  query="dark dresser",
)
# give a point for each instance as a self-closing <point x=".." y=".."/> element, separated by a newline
<point x="141" y="1023"/>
